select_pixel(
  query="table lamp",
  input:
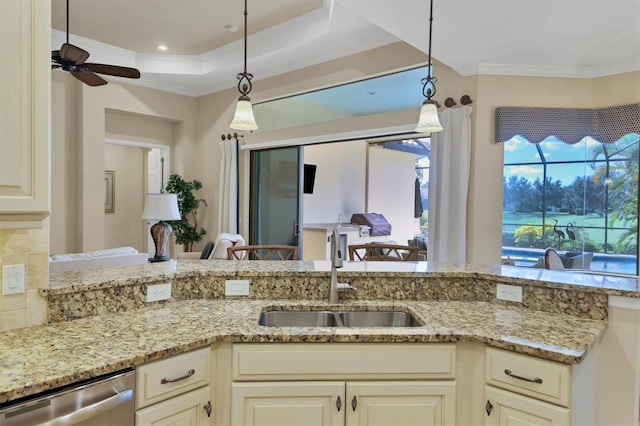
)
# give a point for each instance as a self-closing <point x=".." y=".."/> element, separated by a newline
<point x="161" y="207"/>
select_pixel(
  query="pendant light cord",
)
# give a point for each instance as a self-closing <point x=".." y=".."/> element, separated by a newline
<point x="429" y="83"/>
<point x="244" y="78"/>
<point x="67" y="21"/>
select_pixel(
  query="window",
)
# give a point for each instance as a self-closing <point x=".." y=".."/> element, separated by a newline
<point x="577" y="198"/>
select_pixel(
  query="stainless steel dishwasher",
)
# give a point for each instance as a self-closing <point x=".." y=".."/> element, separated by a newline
<point x="106" y="401"/>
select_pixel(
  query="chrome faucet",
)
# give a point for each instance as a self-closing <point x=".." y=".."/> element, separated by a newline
<point x="336" y="262"/>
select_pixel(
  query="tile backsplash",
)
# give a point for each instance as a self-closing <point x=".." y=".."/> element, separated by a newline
<point x="29" y="247"/>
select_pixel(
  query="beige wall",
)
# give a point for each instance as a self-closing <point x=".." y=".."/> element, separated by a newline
<point x="125" y="227"/>
<point x="197" y="126"/>
<point x="89" y="115"/>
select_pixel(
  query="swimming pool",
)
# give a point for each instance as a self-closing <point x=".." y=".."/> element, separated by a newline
<point x="612" y="263"/>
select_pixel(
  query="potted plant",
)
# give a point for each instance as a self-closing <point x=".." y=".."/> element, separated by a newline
<point x="186" y="229"/>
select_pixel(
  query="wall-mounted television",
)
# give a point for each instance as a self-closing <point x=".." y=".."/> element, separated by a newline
<point x="309" y="178"/>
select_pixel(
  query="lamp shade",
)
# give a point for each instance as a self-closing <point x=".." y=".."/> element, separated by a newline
<point x="161" y="207"/>
<point x="243" y="119"/>
<point x="428" y="121"/>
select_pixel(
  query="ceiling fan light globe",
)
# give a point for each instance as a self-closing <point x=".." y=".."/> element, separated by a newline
<point x="243" y="119"/>
<point x="428" y="121"/>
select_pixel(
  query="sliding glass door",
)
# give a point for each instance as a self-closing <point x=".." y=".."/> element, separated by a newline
<point x="274" y="206"/>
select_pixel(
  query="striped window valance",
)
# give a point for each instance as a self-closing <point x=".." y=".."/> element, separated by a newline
<point x="570" y="125"/>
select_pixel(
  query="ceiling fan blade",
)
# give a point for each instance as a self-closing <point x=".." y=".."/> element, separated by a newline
<point x="114" y="70"/>
<point x="89" y="78"/>
<point x="73" y="54"/>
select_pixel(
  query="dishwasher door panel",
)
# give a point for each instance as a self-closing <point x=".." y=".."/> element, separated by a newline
<point x="106" y="402"/>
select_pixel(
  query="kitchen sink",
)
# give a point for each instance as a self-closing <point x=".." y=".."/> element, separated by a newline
<point x="378" y="319"/>
<point x="298" y="319"/>
<point x="341" y="318"/>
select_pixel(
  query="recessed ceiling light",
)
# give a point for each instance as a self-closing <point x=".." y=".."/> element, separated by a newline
<point x="232" y="28"/>
<point x="163" y="47"/>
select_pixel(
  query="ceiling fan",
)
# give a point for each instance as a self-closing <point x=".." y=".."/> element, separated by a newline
<point x="72" y="58"/>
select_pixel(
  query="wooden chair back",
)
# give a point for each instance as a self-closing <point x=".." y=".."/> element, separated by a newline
<point x="394" y="252"/>
<point x="263" y="252"/>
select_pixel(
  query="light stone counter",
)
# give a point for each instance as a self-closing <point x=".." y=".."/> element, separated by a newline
<point x="562" y="316"/>
<point x="39" y="358"/>
<point x="69" y="282"/>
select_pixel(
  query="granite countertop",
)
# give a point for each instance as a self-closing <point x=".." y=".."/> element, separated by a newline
<point x="39" y="358"/>
<point x="69" y="282"/>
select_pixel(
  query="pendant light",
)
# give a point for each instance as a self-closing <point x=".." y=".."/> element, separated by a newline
<point x="243" y="118"/>
<point x="428" y="121"/>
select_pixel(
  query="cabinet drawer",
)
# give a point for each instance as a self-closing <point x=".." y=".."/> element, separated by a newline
<point x="546" y="380"/>
<point x="163" y="379"/>
<point x="326" y="361"/>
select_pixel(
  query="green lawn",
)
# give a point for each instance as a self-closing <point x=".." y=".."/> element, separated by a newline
<point x="578" y="221"/>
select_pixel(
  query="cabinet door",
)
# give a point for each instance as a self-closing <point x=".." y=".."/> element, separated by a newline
<point x="288" y="403"/>
<point x="24" y="90"/>
<point x="191" y="409"/>
<point x="508" y="408"/>
<point x="401" y="403"/>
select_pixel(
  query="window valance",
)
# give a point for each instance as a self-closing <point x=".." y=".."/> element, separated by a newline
<point x="570" y="125"/>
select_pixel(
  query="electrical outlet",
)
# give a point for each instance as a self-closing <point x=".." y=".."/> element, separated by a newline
<point x="158" y="292"/>
<point x="236" y="288"/>
<point x="13" y="277"/>
<point x="512" y="293"/>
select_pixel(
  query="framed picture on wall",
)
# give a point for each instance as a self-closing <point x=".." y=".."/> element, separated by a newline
<point x="109" y="191"/>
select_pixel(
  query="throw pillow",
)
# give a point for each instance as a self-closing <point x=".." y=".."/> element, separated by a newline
<point x="206" y="251"/>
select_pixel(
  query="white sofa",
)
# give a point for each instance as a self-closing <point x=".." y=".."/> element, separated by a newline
<point x="99" y="259"/>
<point x="216" y="249"/>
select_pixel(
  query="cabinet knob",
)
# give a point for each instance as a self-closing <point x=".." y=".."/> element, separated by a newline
<point x="338" y="404"/>
<point x="488" y="407"/>
<point x="208" y="408"/>
<point x="354" y="403"/>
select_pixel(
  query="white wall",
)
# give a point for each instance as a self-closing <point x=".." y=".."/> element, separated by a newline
<point x="340" y="181"/>
<point x="353" y="179"/>
<point x="391" y="191"/>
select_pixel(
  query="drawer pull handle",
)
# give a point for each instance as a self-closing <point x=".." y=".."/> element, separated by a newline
<point x="177" y="379"/>
<point x="526" y="379"/>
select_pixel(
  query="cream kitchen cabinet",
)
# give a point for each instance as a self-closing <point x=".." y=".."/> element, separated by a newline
<point x="509" y="408"/>
<point x="344" y="403"/>
<point x="25" y="27"/>
<point x="525" y="390"/>
<point x="343" y="384"/>
<point x="175" y="391"/>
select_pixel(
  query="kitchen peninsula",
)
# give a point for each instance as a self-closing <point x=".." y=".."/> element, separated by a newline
<point x="100" y="322"/>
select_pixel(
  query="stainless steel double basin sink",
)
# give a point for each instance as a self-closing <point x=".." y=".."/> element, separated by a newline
<point x="332" y="318"/>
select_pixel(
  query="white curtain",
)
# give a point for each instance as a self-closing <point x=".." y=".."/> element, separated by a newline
<point x="448" y="187"/>
<point x="228" y="191"/>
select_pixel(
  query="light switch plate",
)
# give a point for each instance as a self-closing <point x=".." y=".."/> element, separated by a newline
<point x="236" y="288"/>
<point x="13" y="279"/>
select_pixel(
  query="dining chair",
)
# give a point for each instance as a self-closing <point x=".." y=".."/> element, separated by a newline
<point x="552" y="260"/>
<point x="381" y="251"/>
<point x="263" y="252"/>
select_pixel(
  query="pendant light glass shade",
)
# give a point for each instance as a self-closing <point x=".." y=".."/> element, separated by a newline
<point x="428" y="121"/>
<point x="243" y="118"/>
